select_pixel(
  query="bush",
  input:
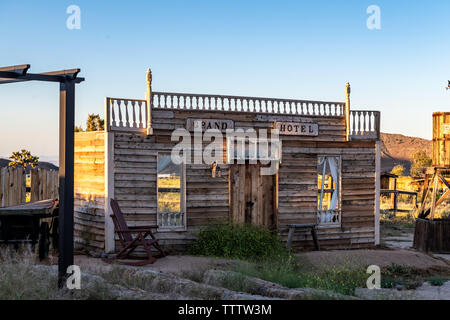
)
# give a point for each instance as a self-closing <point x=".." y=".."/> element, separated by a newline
<point x="342" y="280"/>
<point x="436" y="281"/>
<point x="238" y="241"/>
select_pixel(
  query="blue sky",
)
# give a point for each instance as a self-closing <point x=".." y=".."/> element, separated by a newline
<point x="292" y="49"/>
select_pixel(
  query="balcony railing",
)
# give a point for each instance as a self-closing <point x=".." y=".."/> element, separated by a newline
<point x="125" y="114"/>
<point x="131" y="114"/>
<point x="171" y="220"/>
<point x="206" y="102"/>
<point x="364" y="125"/>
<point x="328" y="217"/>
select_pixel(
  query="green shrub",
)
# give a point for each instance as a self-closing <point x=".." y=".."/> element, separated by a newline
<point x="342" y="280"/>
<point x="238" y="241"/>
<point x="436" y="281"/>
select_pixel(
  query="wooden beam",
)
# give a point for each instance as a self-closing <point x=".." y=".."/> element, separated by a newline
<point x="71" y="73"/>
<point x="109" y="190"/>
<point x="66" y="178"/>
<point x="377" y="191"/>
<point x="442" y="198"/>
<point x="56" y="76"/>
<point x="444" y="181"/>
<point x="19" y="69"/>
<point x="433" y="197"/>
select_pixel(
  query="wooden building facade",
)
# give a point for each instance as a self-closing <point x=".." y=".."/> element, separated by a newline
<point x="326" y="156"/>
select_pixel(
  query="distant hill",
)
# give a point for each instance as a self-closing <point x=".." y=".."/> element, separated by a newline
<point x="41" y="164"/>
<point x="399" y="149"/>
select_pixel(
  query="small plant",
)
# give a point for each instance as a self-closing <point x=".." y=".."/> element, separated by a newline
<point x="387" y="282"/>
<point x="342" y="280"/>
<point x="435" y="281"/>
<point x="239" y="241"/>
<point x="398" y="269"/>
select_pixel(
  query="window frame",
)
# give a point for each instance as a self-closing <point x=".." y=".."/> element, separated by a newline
<point x="339" y="211"/>
<point x="231" y="159"/>
<point x="182" y="198"/>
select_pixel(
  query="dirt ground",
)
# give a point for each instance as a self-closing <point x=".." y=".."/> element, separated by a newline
<point x="173" y="264"/>
<point x="360" y="258"/>
<point x="396" y="239"/>
<point x="315" y="260"/>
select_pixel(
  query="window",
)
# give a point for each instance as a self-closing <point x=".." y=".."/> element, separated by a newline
<point x="329" y="190"/>
<point x="253" y="149"/>
<point x="171" y="193"/>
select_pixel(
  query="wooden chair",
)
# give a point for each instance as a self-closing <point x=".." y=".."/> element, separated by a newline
<point x="130" y="243"/>
<point x="310" y="226"/>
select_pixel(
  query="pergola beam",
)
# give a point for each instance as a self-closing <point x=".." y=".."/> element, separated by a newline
<point x="67" y="80"/>
<point x="20" y="69"/>
<point x="8" y="76"/>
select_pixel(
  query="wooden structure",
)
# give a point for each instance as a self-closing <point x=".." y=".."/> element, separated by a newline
<point x="389" y="188"/>
<point x="14" y="189"/>
<point x="133" y="237"/>
<point x="327" y="158"/>
<point x="441" y="139"/>
<point x="67" y="80"/>
<point x="311" y="226"/>
<point x="31" y="222"/>
<point x="434" y="234"/>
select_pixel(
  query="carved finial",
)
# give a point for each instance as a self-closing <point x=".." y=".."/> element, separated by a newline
<point x="347" y="88"/>
<point x="148" y="97"/>
<point x="149" y="76"/>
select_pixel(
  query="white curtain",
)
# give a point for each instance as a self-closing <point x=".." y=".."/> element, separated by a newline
<point x="334" y="169"/>
<point x="322" y="161"/>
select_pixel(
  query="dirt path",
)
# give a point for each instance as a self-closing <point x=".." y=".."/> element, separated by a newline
<point x="174" y="264"/>
<point x="321" y="260"/>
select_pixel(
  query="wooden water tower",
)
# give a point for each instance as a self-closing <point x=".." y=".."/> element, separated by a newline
<point x="434" y="234"/>
<point x="441" y="139"/>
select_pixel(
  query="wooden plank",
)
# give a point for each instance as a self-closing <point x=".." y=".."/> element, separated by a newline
<point x="2" y="185"/>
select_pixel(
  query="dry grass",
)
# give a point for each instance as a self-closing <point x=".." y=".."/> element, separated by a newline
<point x="22" y="279"/>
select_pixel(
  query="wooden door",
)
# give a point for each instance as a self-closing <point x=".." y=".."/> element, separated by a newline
<point x="252" y="195"/>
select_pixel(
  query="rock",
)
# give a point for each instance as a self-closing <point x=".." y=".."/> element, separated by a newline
<point x="425" y="292"/>
<point x="385" y="294"/>
<point x="96" y="287"/>
<point x="163" y="283"/>
<point x="428" y="292"/>
<point x="264" y="288"/>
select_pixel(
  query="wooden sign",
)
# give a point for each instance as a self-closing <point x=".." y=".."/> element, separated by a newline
<point x="297" y="128"/>
<point x="205" y="124"/>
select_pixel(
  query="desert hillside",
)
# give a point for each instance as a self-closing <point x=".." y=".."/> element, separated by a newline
<point x="41" y="164"/>
<point x="398" y="149"/>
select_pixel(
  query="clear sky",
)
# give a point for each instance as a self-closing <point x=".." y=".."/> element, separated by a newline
<point x="291" y="49"/>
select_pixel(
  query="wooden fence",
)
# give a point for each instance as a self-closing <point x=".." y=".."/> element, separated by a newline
<point x="43" y="184"/>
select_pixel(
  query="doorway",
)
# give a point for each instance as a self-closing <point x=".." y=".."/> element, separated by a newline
<point x="253" y="196"/>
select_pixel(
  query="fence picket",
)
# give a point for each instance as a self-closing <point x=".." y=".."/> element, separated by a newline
<point x="43" y="185"/>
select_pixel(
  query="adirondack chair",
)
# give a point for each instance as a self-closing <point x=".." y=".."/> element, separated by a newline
<point x="130" y="243"/>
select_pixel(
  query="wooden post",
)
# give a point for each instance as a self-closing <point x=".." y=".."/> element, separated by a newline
<point x="149" y="102"/>
<point x="347" y="110"/>
<point x="377" y="191"/>
<point x="395" y="197"/>
<point x="2" y="170"/>
<point x="23" y="186"/>
<point x="66" y="177"/>
<point x="433" y="199"/>
<point x="6" y="184"/>
<point x="109" y="183"/>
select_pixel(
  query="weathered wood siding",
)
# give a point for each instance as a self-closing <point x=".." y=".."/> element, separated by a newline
<point x="298" y="193"/>
<point x="12" y="186"/>
<point x="89" y="189"/>
<point x="207" y="198"/>
<point x="135" y="161"/>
